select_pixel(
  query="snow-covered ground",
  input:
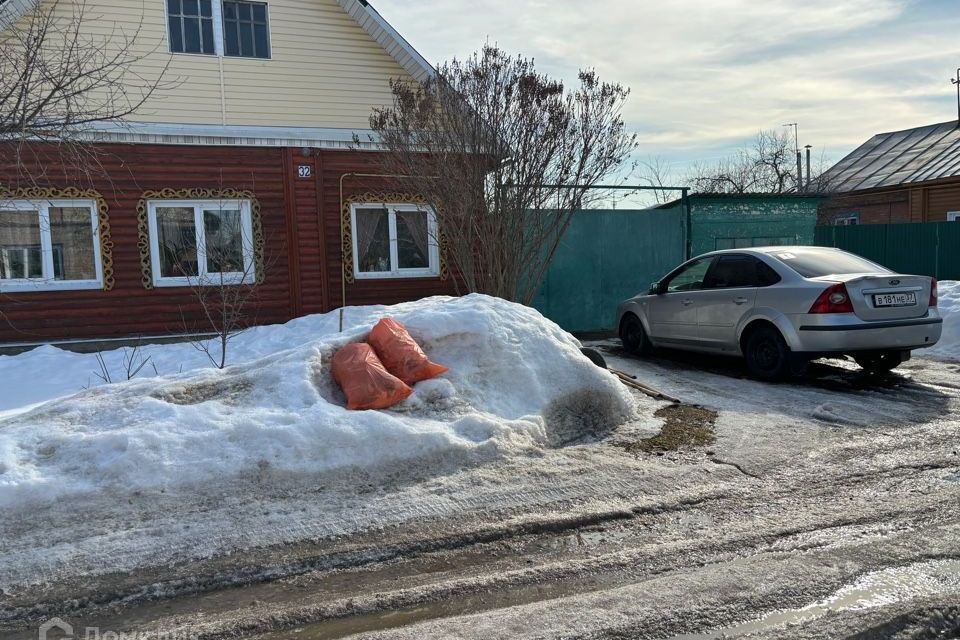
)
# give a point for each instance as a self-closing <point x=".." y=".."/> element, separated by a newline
<point x="517" y="383"/>
<point x="949" y="345"/>
<point x="808" y="487"/>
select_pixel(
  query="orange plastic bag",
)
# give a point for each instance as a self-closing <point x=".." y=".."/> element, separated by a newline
<point x="364" y="380"/>
<point x="401" y="354"/>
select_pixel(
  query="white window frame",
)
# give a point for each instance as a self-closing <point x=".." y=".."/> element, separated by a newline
<point x="48" y="282"/>
<point x="844" y="220"/>
<point x="433" y="250"/>
<point x="953" y="216"/>
<point x="216" y="14"/>
<point x="204" y="277"/>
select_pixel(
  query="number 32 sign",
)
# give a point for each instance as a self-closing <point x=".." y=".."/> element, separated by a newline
<point x="304" y="171"/>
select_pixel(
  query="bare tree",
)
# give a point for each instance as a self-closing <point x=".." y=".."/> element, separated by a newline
<point x="654" y="172"/>
<point x="133" y="363"/>
<point x="224" y="305"/>
<point x="767" y="165"/>
<point x="58" y="79"/>
<point x="505" y="155"/>
<point x="225" y="295"/>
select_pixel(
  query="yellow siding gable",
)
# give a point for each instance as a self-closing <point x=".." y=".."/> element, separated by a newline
<point x="324" y="70"/>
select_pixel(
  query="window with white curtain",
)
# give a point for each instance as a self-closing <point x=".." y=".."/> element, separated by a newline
<point x="394" y="241"/>
<point x="49" y="245"/>
<point x="207" y="242"/>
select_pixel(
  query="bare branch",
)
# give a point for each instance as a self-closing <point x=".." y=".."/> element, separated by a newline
<point x="767" y="165"/>
<point x="58" y="78"/>
<point x="505" y="155"/>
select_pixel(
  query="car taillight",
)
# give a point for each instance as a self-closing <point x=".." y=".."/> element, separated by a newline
<point x="833" y="300"/>
<point x="933" y="292"/>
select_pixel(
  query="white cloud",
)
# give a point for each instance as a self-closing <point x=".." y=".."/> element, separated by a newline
<point x="707" y="74"/>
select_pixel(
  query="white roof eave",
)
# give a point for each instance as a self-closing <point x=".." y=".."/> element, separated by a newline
<point x="12" y="10"/>
<point x="387" y="37"/>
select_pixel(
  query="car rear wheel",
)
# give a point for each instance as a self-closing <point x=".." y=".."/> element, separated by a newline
<point x="633" y="336"/>
<point x="883" y="362"/>
<point x="767" y="354"/>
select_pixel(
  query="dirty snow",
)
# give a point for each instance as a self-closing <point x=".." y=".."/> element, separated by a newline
<point x="517" y="383"/>
<point x="949" y="345"/>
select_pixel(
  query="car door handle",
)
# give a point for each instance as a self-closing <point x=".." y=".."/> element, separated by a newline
<point x="686" y="302"/>
<point x="740" y="300"/>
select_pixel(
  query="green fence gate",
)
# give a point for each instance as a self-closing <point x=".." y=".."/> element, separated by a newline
<point x="928" y="249"/>
<point x="606" y="257"/>
<point x="736" y="221"/>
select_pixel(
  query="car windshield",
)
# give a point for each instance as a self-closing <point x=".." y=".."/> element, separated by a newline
<point x="813" y="263"/>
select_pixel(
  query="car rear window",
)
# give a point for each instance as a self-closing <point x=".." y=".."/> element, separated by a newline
<point x="813" y="263"/>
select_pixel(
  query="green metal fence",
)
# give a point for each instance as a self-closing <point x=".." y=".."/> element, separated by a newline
<point x="734" y="222"/>
<point x="605" y="257"/>
<point x="929" y="249"/>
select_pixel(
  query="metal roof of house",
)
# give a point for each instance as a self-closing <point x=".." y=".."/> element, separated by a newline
<point x="899" y="157"/>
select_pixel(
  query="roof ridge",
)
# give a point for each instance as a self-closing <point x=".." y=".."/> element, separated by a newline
<point x="925" y="126"/>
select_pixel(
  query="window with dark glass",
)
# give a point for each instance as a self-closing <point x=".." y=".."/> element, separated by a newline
<point x="191" y="26"/>
<point x="245" y="30"/>
<point x="730" y="272"/>
<point x="689" y="277"/>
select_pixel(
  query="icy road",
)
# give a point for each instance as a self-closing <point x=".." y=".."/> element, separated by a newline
<point x="823" y="508"/>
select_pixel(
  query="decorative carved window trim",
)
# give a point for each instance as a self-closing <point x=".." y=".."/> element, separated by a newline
<point x="143" y="224"/>
<point x="346" y="227"/>
<point x="73" y="193"/>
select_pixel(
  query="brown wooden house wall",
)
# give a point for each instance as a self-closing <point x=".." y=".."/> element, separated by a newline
<point x="927" y="202"/>
<point x="301" y="226"/>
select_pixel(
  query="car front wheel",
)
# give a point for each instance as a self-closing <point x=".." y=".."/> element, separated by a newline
<point x="767" y="354"/>
<point x="633" y="337"/>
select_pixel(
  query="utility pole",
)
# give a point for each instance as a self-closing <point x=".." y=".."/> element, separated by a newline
<point x="956" y="81"/>
<point x="796" y="147"/>
<point x="808" y="147"/>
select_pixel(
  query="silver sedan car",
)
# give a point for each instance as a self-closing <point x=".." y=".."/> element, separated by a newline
<point x="780" y="307"/>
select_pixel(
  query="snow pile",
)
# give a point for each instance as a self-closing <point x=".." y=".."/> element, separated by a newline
<point x="949" y="345"/>
<point x="517" y="384"/>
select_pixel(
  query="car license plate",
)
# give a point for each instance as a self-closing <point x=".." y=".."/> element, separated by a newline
<point x="894" y="299"/>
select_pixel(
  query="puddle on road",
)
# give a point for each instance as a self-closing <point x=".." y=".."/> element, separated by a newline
<point x="464" y="605"/>
<point x="877" y="589"/>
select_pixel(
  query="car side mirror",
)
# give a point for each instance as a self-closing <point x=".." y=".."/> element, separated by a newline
<point x="655" y="289"/>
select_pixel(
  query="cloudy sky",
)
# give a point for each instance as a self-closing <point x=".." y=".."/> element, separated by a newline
<point x="706" y="75"/>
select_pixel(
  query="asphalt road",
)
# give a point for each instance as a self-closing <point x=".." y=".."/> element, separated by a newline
<point x="826" y="507"/>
